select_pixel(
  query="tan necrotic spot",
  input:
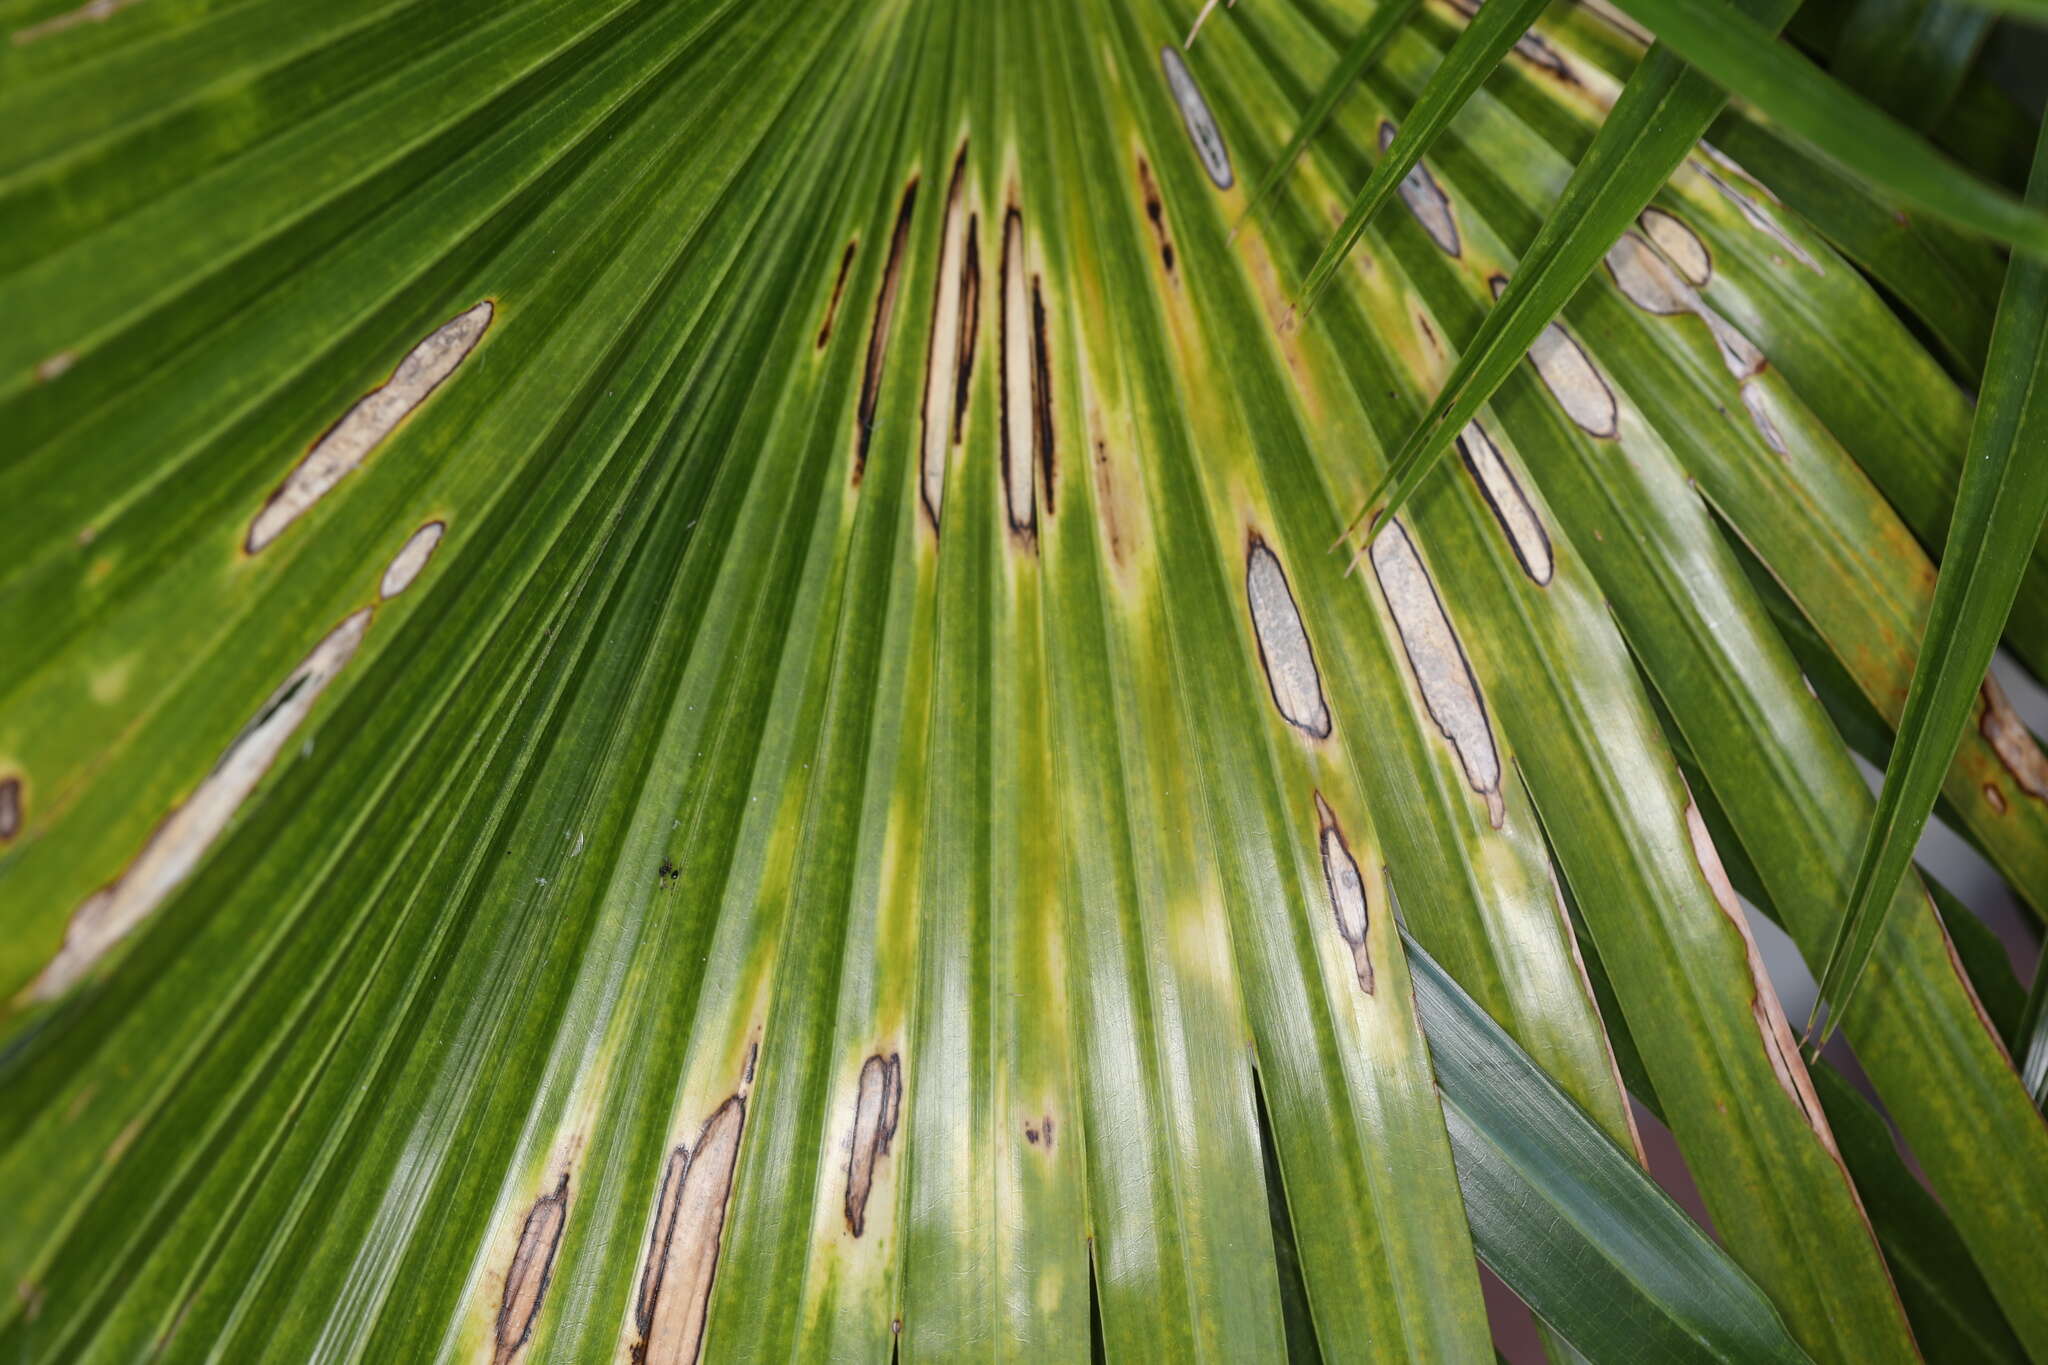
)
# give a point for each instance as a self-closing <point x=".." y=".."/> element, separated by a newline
<point x="412" y="557"/>
<point x="1013" y="340"/>
<point x="1654" y="285"/>
<point x="1511" y="506"/>
<point x="533" y="1265"/>
<point x="838" y="288"/>
<point x="1284" y="650"/>
<point x="10" y="808"/>
<point x="1194" y="112"/>
<point x="1025" y="384"/>
<point x="1680" y="245"/>
<point x="1652" y="281"/>
<point x="682" y="1250"/>
<point x="878" y="332"/>
<point x="1437" y="659"/>
<point x="1425" y="199"/>
<point x="1779" y="1044"/>
<point x="375" y="415"/>
<point x="1566" y="371"/>
<point x="183" y="838"/>
<point x="1348" y="901"/>
<point x="2012" y="741"/>
<point x="949" y="351"/>
<point x="876" y="1101"/>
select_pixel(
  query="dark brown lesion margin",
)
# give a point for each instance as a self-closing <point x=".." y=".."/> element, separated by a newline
<point x="531" y="1259"/>
<point x="838" y="288"/>
<point x="1155" y="213"/>
<point x="878" y="1101"/>
<point x="970" y="321"/>
<point x="970" y="254"/>
<point x="878" y="330"/>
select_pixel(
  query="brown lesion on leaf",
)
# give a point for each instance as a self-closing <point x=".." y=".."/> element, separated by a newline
<point x="1025" y="438"/>
<point x="533" y="1265"/>
<point x="1425" y="199"/>
<point x="878" y="331"/>
<point x="343" y="447"/>
<point x="1779" y="1044"/>
<point x="182" y="838"/>
<point x="1680" y="245"/>
<point x="838" y="288"/>
<point x="683" y="1245"/>
<point x="970" y="322"/>
<point x="11" y="807"/>
<point x="411" y="559"/>
<point x="1437" y="660"/>
<point x="1039" y="1132"/>
<point x="1526" y="534"/>
<point x="2012" y="741"/>
<point x="1349" y="904"/>
<point x="949" y="346"/>
<point x="1041" y="396"/>
<point x="1570" y="375"/>
<point x="877" y="1101"/>
<point x="1285" y="654"/>
<point x="1196" y="117"/>
<point x="1155" y="213"/>
<point x="1105" y="501"/>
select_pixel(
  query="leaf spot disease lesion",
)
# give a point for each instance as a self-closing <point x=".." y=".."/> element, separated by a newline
<point x="878" y="331"/>
<point x="11" y="806"/>
<point x="949" y="347"/>
<point x="2012" y="741"/>
<point x="1155" y="214"/>
<point x="1425" y="199"/>
<point x="1039" y="1132"/>
<point x="838" y="289"/>
<point x="347" y="443"/>
<point x="1025" y="385"/>
<point x="1285" y="654"/>
<point x="410" y="560"/>
<point x="1511" y="506"/>
<point x="1195" y="115"/>
<point x="877" y="1100"/>
<point x="1779" y="1045"/>
<point x="1570" y="376"/>
<point x="177" y="845"/>
<point x="533" y="1265"/>
<point x="683" y="1245"/>
<point x="1650" y="280"/>
<point x="1349" y="903"/>
<point x="1437" y="660"/>
<point x="1680" y="245"/>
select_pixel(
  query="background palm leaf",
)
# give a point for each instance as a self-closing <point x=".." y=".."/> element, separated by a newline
<point x="680" y="693"/>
